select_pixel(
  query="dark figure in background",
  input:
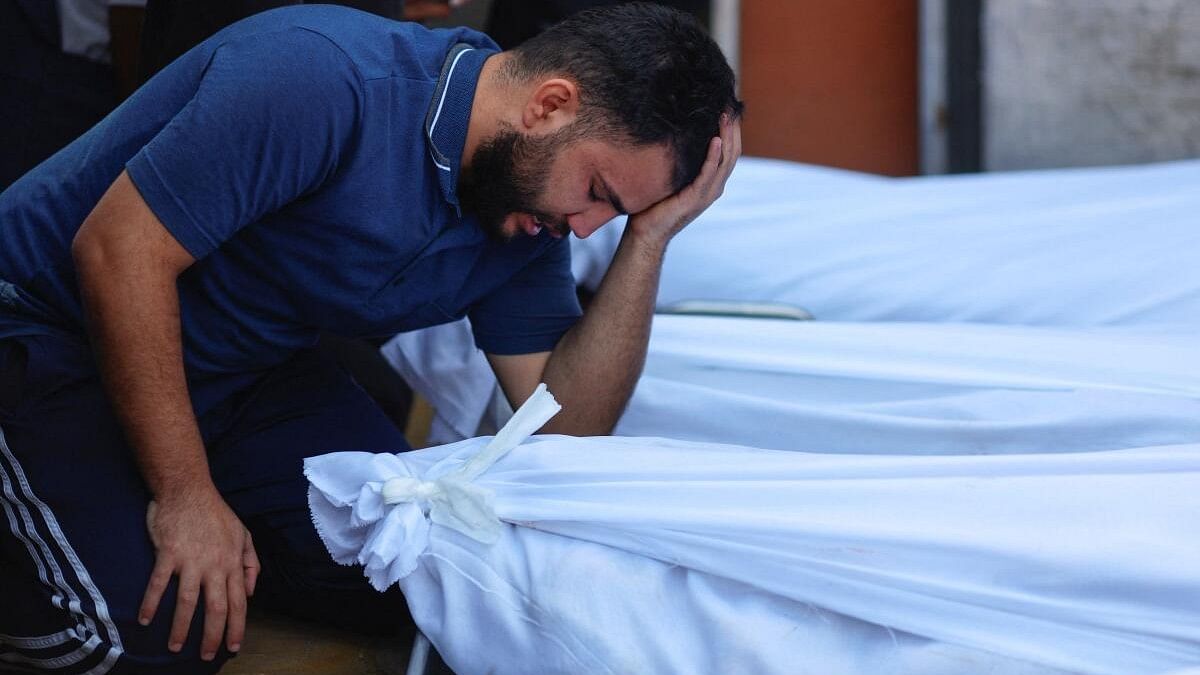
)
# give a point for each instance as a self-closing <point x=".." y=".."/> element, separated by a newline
<point x="50" y="93"/>
<point x="174" y="26"/>
<point x="511" y="22"/>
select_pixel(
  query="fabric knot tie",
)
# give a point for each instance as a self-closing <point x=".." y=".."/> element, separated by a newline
<point x="408" y="489"/>
<point x="453" y="500"/>
<point x="390" y="514"/>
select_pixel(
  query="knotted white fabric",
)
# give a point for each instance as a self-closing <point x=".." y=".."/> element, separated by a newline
<point x="390" y="510"/>
<point x="639" y="555"/>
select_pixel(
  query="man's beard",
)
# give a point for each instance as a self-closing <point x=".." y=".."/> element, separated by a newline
<point x="508" y="173"/>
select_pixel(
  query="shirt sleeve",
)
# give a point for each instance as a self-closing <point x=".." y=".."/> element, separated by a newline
<point x="533" y="310"/>
<point x="271" y="116"/>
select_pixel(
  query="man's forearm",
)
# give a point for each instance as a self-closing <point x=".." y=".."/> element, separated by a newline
<point x="595" y="367"/>
<point x="127" y="265"/>
<point x="134" y="327"/>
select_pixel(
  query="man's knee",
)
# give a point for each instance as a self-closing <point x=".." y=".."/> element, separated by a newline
<point x="63" y="623"/>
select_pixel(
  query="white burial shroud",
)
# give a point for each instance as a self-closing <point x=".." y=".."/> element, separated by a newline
<point x="616" y="555"/>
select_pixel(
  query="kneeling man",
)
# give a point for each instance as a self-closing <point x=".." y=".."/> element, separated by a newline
<point x="164" y="278"/>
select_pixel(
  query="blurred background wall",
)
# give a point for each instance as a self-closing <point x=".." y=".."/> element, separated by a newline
<point x="1087" y="82"/>
<point x="901" y="87"/>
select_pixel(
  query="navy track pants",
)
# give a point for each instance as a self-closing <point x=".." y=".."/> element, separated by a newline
<point x="74" y="552"/>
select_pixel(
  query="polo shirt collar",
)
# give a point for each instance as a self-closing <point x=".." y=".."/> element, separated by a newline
<point x="450" y="111"/>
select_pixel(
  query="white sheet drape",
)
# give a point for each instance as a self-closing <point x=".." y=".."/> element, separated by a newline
<point x="1069" y="249"/>
<point x="1085" y="562"/>
<point x="1005" y="482"/>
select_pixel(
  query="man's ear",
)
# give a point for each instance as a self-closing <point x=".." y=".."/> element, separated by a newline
<point x="552" y="105"/>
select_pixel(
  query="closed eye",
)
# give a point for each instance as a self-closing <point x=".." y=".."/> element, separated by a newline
<point x="611" y="198"/>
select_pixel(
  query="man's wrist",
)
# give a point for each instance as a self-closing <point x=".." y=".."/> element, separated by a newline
<point x="177" y="485"/>
<point x="646" y="237"/>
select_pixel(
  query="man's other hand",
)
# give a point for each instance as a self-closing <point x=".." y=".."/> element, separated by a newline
<point x="666" y="218"/>
<point x="199" y="539"/>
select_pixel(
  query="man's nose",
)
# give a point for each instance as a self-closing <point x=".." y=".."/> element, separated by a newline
<point x="584" y="223"/>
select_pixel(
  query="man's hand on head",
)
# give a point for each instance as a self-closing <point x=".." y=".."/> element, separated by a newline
<point x="664" y="220"/>
<point x="595" y="367"/>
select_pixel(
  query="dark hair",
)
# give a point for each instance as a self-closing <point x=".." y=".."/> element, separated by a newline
<point x="645" y="72"/>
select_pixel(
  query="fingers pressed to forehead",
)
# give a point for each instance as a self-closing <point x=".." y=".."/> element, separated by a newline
<point x="732" y="144"/>
<point x="713" y="160"/>
<point x="732" y="134"/>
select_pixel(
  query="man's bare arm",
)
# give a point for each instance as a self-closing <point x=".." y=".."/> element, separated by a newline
<point x="595" y="367"/>
<point x="127" y="265"/>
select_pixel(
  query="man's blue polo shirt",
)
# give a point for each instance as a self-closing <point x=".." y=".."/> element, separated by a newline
<point x="307" y="158"/>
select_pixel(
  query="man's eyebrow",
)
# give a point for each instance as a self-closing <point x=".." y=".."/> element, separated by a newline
<point x="613" y="198"/>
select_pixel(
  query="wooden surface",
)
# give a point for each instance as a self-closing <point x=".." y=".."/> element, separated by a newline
<point x="277" y="645"/>
<point x="420" y="419"/>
